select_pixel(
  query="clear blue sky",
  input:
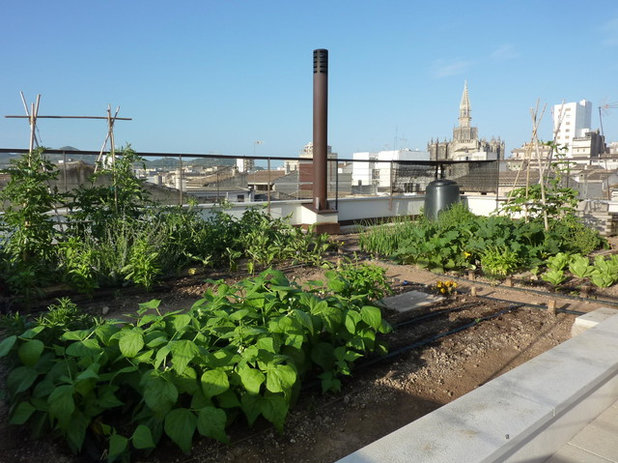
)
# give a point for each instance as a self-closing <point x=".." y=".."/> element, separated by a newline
<point x="215" y="76"/>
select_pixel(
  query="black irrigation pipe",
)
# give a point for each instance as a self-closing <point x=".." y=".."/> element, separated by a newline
<point x="434" y="314"/>
<point x="534" y="306"/>
<point x="535" y="291"/>
<point x="435" y="337"/>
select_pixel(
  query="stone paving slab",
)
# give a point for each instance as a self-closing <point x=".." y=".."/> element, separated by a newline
<point x="596" y="442"/>
<point x="410" y="301"/>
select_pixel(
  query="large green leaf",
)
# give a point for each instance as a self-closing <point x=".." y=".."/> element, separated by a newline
<point x="142" y="438"/>
<point x="107" y="397"/>
<point x="180" y="321"/>
<point x="117" y="446"/>
<point x="20" y="379"/>
<point x="180" y="425"/>
<point x="280" y="378"/>
<point x="352" y="318"/>
<point x="275" y="408"/>
<point x="76" y="432"/>
<point x="131" y="341"/>
<point x="182" y="353"/>
<point x="214" y="382"/>
<point x="160" y="395"/>
<point x="251" y="378"/>
<point x="372" y="316"/>
<point x="187" y="382"/>
<point x="267" y="344"/>
<point x="211" y="423"/>
<point x="61" y="404"/>
<point x="22" y="412"/>
<point x="322" y="354"/>
<point x="251" y="405"/>
<point x="228" y="399"/>
<point x="305" y="319"/>
<point x="6" y="345"/>
<point x="150" y="305"/>
<point x="30" y="352"/>
<point x="84" y="348"/>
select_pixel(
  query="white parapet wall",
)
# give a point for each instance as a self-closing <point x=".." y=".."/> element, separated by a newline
<point x="357" y="208"/>
<point x="523" y="416"/>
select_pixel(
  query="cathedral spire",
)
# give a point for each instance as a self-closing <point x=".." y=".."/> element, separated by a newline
<point x="464" y="108"/>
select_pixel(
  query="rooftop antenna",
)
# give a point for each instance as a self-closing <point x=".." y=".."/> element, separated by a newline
<point x="604" y="109"/>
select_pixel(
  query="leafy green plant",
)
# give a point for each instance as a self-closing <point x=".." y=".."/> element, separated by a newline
<point x="577" y="236"/>
<point x="77" y="261"/>
<point x="241" y="350"/>
<point x="142" y="267"/>
<point x="28" y="257"/>
<point x="115" y="192"/>
<point x="605" y="272"/>
<point x="353" y="280"/>
<point x="558" y="262"/>
<point x="559" y="201"/>
<point x="554" y="276"/>
<point x="499" y="261"/>
<point x="580" y="266"/>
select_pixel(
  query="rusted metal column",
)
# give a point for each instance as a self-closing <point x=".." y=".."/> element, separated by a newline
<point x="320" y="127"/>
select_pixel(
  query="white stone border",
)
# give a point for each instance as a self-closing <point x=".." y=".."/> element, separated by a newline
<point x="525" y="415"/>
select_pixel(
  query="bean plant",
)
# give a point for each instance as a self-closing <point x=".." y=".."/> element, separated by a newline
<point x="241" y="350"/>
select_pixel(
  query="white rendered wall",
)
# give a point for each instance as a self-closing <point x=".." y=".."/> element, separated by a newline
<point x="576" y="122"/>
<point x="358" y="208"/>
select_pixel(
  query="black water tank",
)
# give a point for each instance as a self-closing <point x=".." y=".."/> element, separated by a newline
<point x="440" y="194"/>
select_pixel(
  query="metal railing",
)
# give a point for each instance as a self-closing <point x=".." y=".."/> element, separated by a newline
<point x="176" y="178"/>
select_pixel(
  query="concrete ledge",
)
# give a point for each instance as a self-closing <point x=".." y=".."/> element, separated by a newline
<point x="525" y="415"/>
<point x="591" y="319"/>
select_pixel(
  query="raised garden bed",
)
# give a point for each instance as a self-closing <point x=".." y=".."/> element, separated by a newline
<point x="375" y="401"/>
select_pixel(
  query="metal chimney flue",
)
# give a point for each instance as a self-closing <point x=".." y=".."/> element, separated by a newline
<point x="320" y="128"/>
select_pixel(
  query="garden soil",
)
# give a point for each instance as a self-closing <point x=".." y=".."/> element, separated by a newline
<point x="377" y="399"/>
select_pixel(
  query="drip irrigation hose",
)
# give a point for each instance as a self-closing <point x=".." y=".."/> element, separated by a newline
<point x="535" y="291"/>
<point x="533" y="306"/>
<point x="435" y="313"/>
<point x="435" y="337"/>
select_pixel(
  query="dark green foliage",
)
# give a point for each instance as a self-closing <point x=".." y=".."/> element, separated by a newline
<point x="459" y="240"/>
<point x="241" y="350"/>
<point x="576" y="236"/>
<point x="95" y="205"/>
<point x="499" y="261"/>
<point x="115" y="235"/>
<point x="27" y="257"/>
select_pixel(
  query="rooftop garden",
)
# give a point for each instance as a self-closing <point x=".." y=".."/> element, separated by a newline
<point x="248" y="348"/>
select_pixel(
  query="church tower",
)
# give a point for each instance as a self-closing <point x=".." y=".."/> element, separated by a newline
<point x="464" y="108"/>
<point x="464" y="132"/>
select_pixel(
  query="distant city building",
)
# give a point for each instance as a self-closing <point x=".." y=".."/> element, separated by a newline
<point x="379" y="172"/>
<point x="575" y="139"/>
<point x="244" y="165"/>
<point x="571" y="120"/>
<point x="306" y="153"/>
<point x="465" y="145"/>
